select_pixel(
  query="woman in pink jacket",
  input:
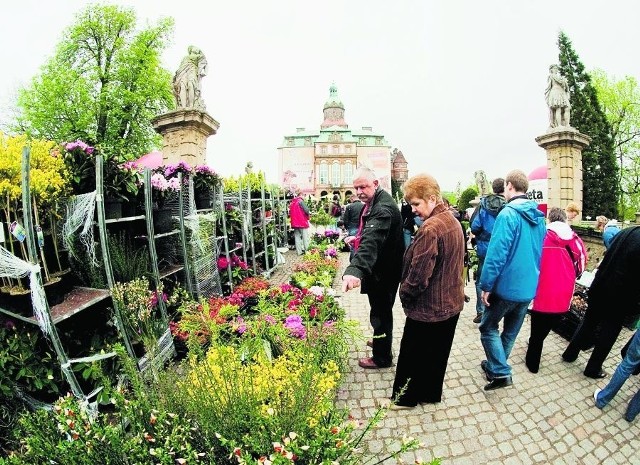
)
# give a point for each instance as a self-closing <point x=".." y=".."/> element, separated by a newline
<point x="564" y="257"/>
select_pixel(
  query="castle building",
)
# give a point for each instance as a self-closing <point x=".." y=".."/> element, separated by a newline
<point x="322" y="162"/>
<point x="399" y="167"/>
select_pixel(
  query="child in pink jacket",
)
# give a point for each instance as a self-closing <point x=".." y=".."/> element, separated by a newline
<point x="564" y="257"/>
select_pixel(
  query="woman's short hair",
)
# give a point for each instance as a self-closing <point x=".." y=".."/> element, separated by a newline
<point x="421" y="186"/>
<point x="518" y="180"/>
<point x="557" y="214"/>
<point x="572" y="207"/>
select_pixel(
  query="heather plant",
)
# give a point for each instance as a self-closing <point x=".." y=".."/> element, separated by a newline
<point x="139" y="309"/>
<point x="128" y="260"/>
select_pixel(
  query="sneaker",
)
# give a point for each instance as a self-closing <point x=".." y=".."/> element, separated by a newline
<point x="595" y="397"/>
<point x="478" y="318"/>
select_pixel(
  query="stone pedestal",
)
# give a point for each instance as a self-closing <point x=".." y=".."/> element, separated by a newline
<point x="564" y="148"/>
<point x="185" y="133"/>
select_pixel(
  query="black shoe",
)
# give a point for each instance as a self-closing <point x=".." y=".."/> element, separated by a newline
<point x="485" y="367"/>
<point x="568" y="359"/>
<point x="467" y="298"/>
<point x="601" y="374"/>
<point x="478" y="318"/>
<point x="497" y="383"/>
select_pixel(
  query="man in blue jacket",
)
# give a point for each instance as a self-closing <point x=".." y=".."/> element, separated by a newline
<point x="509" y="277"/>
<point x="482" y="222"/>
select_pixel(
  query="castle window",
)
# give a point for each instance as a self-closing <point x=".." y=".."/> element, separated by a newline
<point x="323" y="173"/>
<point x="347" y="172"/>
<point x="335" y="174"/>
<point x="323" y="150"/>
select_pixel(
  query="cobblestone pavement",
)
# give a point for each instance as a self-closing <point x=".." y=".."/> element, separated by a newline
<point x="546" y="418"/>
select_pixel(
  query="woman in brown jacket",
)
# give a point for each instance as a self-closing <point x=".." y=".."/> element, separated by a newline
<point x="432" y="295"/>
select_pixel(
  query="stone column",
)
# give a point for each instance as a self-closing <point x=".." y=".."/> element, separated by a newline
<point x="185" y="133"/>
<point x="564" y="146"/>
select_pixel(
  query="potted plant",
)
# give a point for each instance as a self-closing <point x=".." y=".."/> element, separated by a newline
<point x="80" y="161"/>
<point x="122" y="181"/>
<point x="139" y="310"/>
<point x="162" y="189"/>
<point x="172" y="170"/>
<point x="205" y="180"/>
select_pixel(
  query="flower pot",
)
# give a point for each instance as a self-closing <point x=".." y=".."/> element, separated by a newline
<point x="203" y="198"/>
<point x="162" y="220"/>
<point x="112" y="208"/>
<point x="55" y="290"/>
<point x="17" y="300"/>
<point x="129" y="208"/>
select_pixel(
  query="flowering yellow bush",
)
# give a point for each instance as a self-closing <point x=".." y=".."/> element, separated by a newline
<point x="289" y="385"/>
<point x="48" y="174"/>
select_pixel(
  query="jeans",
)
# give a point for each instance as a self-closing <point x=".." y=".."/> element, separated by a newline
<point x="622" y="373"/>
<point x="406" y="234"/>
<point x="301" y="238"/>
<point x="479" y="304"/>
<point x="498" y="346"/>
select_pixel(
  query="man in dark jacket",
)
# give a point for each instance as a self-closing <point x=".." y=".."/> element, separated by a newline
<point x="614" y="296"/>
<point x="351" y="217"/>
<point x="481" y="225"/>
<point x="377" y="263"/>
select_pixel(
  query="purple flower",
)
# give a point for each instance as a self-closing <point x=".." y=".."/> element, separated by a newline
<point x="204" y="170"/>
<point x="78" y="144"/>
<point x="240" y="326"/>
<point x="171" y="170"/>
<point x="294" y="324"/>
<point x="270" y="319"/>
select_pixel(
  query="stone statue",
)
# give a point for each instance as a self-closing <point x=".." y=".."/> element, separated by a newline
<point x="482" y="183"/>
<point x="186" y="81"/>
<point x="557" y="96"/>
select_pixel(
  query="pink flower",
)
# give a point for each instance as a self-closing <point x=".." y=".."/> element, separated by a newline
<point x="223" y="263"/>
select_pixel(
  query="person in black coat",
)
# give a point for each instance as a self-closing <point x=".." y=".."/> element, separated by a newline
<point x="377" y="263"/>
<point x="613" y="297"/>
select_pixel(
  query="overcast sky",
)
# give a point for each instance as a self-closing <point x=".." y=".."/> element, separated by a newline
<point x="456" y="85"/>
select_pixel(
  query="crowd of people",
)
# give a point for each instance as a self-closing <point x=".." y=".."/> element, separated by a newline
<point x="527" y="263"/>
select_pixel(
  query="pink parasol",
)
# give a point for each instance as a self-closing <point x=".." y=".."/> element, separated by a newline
<point x="151" y="160"/>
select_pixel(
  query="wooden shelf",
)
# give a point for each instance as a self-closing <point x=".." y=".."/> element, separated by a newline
<point x="125" y="219"/>
<point x="158" y="236"/>
<point x="80" y="298"/>
<point x="170" y="270"/>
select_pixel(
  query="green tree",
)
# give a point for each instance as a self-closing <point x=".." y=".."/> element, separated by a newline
<point x="103" y="84"/>
<point x="600" y="173"/>
<point x="466" y="197"/>
<point x="620" y="101"/>
<point x="396" y="189"/>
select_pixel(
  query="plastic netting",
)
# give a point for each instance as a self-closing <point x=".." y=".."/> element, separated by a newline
<point x="14" y="267"/>
<point x="79" y="216"/>
<point x="202" y="245"/>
